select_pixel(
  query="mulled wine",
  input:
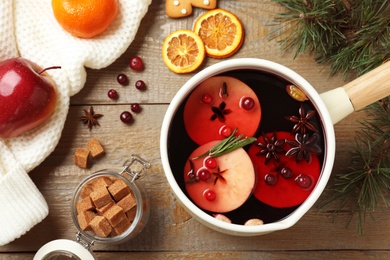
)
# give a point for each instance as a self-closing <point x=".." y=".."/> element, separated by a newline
<point x="286" y="156"/>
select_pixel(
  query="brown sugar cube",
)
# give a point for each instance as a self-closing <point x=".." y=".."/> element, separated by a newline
<point x="113" y="233"/>
<point x="114" y="215"/>
<point x="86" y="191"/>
<point x="81" y="157"/>
<point x="105" y="208"/>
<point x="100" y="226"/>
<point x="95" y="147"/>
<point x="127" y="202"/>
<point x="122" y="226"/>
<point x="84" y="218"/>
<point x="100" y="197"/>
<point x="131" y="213"/>
<point x="101" y="182"/>
<point x="84" y="204"/>
<point x="119" y="189"/>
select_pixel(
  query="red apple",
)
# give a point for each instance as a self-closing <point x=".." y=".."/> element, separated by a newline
<point x="219" y="105"/>
<point x="27" y="96"/>
<point x="222" y="184"/>
<point x="282" y="180"/>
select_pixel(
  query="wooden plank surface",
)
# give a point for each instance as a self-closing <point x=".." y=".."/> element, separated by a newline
<point x="171" y="233"/>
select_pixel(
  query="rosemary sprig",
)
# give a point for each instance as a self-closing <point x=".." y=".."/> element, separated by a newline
<point x="227" y="145"/>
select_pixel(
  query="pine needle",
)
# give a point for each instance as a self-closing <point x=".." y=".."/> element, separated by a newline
<point x="366" y="183"/>
<point x="347" y="35"/>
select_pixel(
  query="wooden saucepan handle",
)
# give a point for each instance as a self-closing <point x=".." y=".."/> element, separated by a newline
<point x="370" y="87"/>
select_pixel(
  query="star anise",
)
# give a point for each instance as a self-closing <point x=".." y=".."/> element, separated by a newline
<point x="303" y="146"/>
<point x="193" y="178"/>
<point x="271" y="148"/>
<point x="220" y="112"/>
<point x="302" y="123"/>
<point x="90" y="118"/>
<point x="219" y="176"/>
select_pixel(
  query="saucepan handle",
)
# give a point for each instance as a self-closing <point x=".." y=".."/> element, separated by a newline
<point x="359" y="93"/>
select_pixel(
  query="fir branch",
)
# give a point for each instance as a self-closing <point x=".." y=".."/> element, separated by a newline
<point x="347" y="35"/>
<point x="311" y="25"/>
<point x="367" y="39"/>
<point x="367" y="182"/>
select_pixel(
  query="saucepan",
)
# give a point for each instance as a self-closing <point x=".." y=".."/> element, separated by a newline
<point x="281" y="135"/>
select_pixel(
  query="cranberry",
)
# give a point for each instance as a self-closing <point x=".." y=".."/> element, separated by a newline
<point x="122" y="79"/>
<point x="126" y="117"/>
<point x="270" y="179"/>
<point x="209" y="195"/>
<point x="304" y="181"/>
<point x="286" y="172"/>
<point x="211" y="163"/>
<point x="247" y="103"/>
<point x="136" y="63"/>
<point x="140" y="85"/>
<point x="225" y="131"/>
<point x="207" y="99"/>
<point x="135" y="107"/>
<point x="204" y="175"/>
<point x="112" y="94"/>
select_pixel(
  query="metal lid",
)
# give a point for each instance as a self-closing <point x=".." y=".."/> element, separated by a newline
<point x="63" y="249"/>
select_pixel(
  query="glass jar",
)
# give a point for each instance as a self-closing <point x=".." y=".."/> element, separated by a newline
<point x="125" y="182"/>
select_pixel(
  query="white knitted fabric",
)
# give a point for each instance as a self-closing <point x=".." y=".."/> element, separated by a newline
<point x="29" y="29"/>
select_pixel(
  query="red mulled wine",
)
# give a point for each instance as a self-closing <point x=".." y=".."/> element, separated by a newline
<point x="288" y="152"/>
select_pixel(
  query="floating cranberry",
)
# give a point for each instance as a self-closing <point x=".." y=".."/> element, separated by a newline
<point x="135" y="107"/>
<point x="211" y="163"/>
<point x="136" y="63"/>
<point x="122" y="79"/>
<point x="209" y="195"/>
<point x="204" y="174"/>
<point x="304" y="181"/>
<point x="207" y="99"/>
<point x="225" y="131"/>
<point x="247" y="103"/>
<point x="270" y="179"/>
<point x="112" y="94"/>
<point x="126" y="117"/>
<point x="286" y="172"/>
<point x="140" y="85"/>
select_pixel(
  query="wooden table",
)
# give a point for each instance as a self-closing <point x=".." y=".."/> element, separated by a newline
<point x="171" y="233"/>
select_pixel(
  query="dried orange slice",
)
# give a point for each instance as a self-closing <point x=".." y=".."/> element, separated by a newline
<point x="183" y="51"/>
<point x="221" y="31"/>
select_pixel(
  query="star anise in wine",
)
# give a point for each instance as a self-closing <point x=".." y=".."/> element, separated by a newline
<point x="302" y="123"/>
<point x="271" y="148"/>
<point x="304" y="146"/>
<point x="219" y="175"/>
<point x="220" y="112"/>
<point x="90" y="118"/>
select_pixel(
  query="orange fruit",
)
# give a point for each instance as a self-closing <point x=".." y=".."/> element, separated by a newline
<point x="85" y="18"/>
<point x="183" y="51"/>
<point x="221" y="31"/>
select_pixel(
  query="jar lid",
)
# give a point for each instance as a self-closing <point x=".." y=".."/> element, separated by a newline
<point x="63" y="249"/>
